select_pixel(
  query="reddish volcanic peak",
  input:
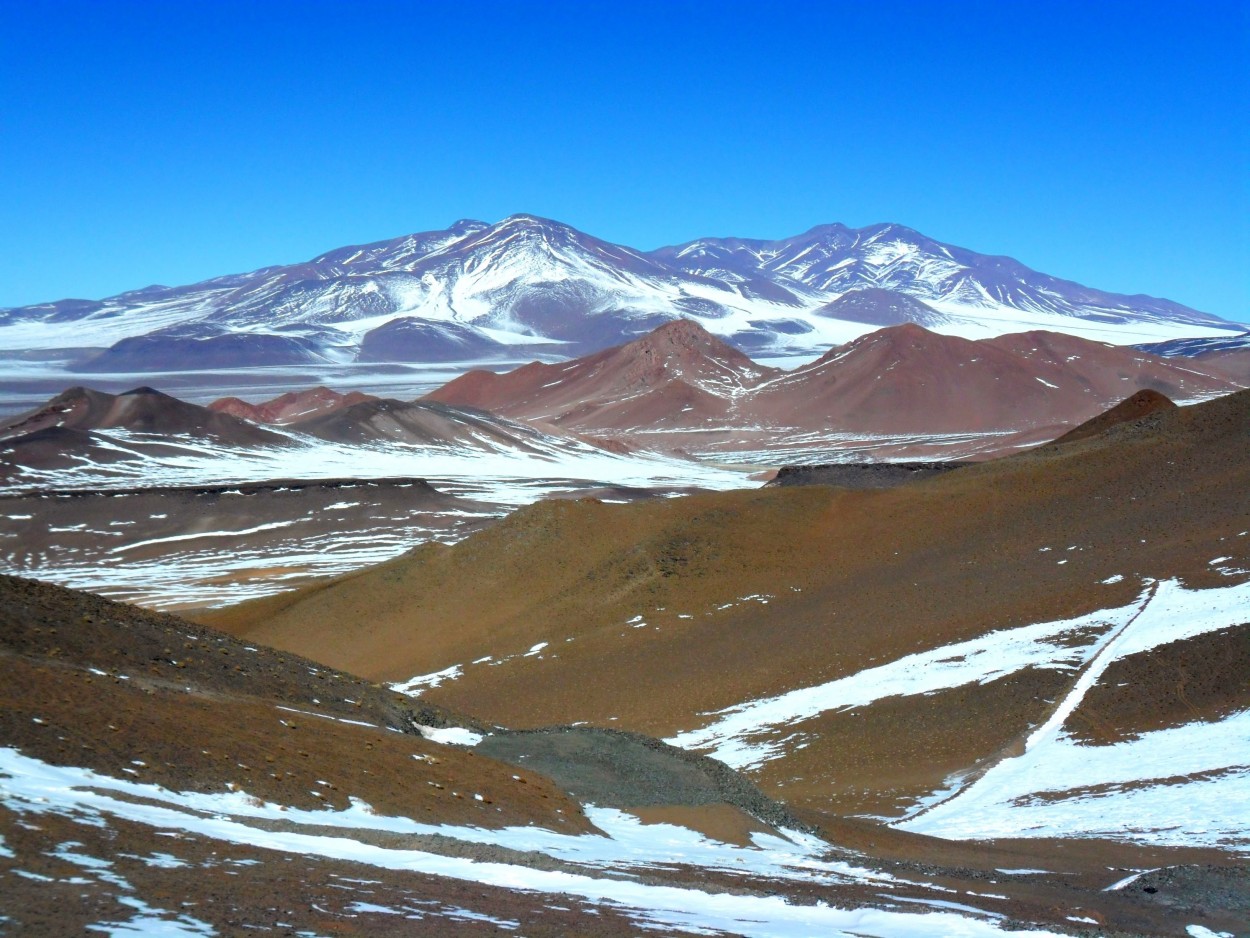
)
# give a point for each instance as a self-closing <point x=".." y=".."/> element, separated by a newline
<point x="680" y="349"/>
<point x="680" y="368"/>
<point x="905" y="339"/>
<point x="684" y="337"/>
<point x="292" y="406"/>
<point x="143" y="410"/>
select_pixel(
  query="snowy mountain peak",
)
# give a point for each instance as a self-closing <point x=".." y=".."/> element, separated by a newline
<point x="475" y="288"/>
<point x="467" y="226"/>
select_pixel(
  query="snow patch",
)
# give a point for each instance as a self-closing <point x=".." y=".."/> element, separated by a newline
<point x="415" y="685"/>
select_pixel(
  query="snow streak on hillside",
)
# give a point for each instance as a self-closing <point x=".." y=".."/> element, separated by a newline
<point x="30" y="788"/>
<point x="1183" y="785"/>
<point x="490" y="472"/>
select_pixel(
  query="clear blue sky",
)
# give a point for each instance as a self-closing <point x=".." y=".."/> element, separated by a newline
<point x="167" y="142"/>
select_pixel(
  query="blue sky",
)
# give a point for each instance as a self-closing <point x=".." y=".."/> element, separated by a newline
<point x="169" y="142"/>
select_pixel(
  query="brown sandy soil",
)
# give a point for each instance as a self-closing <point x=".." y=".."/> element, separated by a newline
<point x="89" y="682"/>
<point x="851" y="578"/>
<point x="1204" y="678"/>
<point x="721" y="822"/>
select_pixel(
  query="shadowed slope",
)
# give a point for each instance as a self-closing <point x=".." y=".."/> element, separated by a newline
<point x="1140" y="405"/>
<point x="419" y="422"/>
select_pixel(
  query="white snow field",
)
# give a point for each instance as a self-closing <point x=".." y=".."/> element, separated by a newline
<point x="484" y="469"/>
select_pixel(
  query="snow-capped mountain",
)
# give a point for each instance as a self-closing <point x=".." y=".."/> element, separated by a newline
<point x="475" y="289"/>
<point x="1193" y="348"/>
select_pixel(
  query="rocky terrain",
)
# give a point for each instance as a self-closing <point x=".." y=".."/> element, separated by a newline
<point x="902" y="642"/>
<point x="158" y="777"/>
<point x="489" y="677"/>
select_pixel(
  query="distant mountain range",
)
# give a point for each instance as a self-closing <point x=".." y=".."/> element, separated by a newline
<point x="899" y="392"/>
<point x="480" y="291"/>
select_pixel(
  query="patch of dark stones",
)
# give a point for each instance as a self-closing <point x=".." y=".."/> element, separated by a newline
<point x="875" y="475"/>
<point x="618" y="769"/>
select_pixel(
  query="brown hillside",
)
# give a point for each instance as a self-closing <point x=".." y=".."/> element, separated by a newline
<point x="109" y="683"/>
<point x="849" y="577"/>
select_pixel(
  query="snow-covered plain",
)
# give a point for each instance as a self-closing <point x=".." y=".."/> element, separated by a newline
<point x="30" y="787"/>
<point x="485" y="470"/>
<point x="214" y="566"/>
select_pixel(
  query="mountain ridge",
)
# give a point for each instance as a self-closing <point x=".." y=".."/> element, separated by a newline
<point x="899" y="379"/>
<point x="476" y="289"/>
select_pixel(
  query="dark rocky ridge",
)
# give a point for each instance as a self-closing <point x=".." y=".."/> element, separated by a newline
<point x="881" y="475"/>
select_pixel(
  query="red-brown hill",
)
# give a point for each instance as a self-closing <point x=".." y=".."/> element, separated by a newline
<point x="901" y="380"/>
<point x="906" y="379"/>
<point x="291" y="406"/>
<point x="143" y="410"/>
<point x="678" y="375"/>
